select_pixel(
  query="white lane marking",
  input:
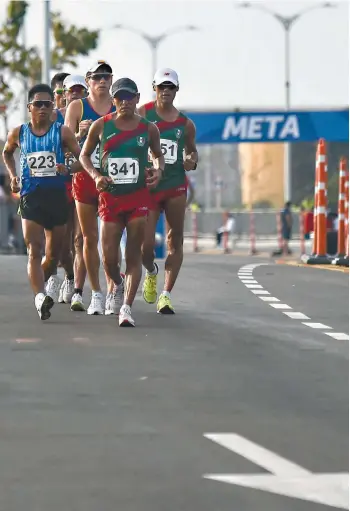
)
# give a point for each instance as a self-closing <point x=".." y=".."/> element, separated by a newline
<point x="338" y="336"/>
<point x="27" y="340"/>
<point x="253" y="285"/>
<point x="280" y="306"/>
<point x="296" y="315"/>
<point x="288" y="478"/>
<point x="320" y="326"/>
<point x="257" y="454"/>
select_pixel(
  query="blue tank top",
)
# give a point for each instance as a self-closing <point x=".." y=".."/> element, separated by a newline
<point x="89" y="113"/>
<point x="60" y="117"/>
<point x="38" y="158"/>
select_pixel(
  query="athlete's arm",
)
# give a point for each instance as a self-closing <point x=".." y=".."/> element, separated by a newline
<point x="191" y="152"/>
<point x="73" y="116"/>
<point x="154" y="145"/>
<point x="92" y="139"/>
<point x="154" y="173"/>
<point x="11" y="144"/>
<point x="71" y="145"/>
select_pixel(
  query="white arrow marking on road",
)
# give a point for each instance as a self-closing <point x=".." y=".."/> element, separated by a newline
<point x="289" y="479"/>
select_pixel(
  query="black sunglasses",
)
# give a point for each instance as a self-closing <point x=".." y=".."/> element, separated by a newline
<point x="163" y="86"/>
<point x="100" y="76"/>
<point x="41" y="102"/>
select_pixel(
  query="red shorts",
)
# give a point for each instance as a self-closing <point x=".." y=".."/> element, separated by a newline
<point x="69" y="191"/>
<point x="123" y="208"/>
<point x="84" y="189"/>
<point x="158" y="199"/>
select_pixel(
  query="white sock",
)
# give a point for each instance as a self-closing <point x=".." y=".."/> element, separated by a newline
<point x="41" y="295"/>
<point x="154" y="271"/>
<point x="96" y="293"/>
<point x="166" y="293"/>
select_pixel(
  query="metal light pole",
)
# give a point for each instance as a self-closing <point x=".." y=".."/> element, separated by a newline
<point x="155" y="41"/>
<point x="46" y="64"/>
<point x="287" y="22"/>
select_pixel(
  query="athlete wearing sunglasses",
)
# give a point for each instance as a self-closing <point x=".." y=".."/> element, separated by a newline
<point x="43" y="201"/>
<point x="79" y="117"/>
<point x="177" y="136"/>
<point x="59" y="97"/>
<point x="122" y="180"/>
<point x="74" y="87"/>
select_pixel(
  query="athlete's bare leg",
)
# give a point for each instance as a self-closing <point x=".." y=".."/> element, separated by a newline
<point x="175" y="209"/>
<point x="53" y="245"/>
<point x="135" y="230"/>
<point x="148" y="254"/>
<point x="79" y="264"/>
<point x="89" y="227"/>
<point x="111" y="233"/>
<point x="66" y="257"/>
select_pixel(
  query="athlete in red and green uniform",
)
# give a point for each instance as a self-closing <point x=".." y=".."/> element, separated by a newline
<point x="177" y="137"/>
<point x="123" y="182"/>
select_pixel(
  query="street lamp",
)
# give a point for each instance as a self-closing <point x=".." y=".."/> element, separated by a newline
<point x="154" y="41"/>
<point x="287" y="23"/>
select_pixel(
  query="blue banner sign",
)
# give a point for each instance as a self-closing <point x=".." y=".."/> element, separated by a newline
<point x="301" y="126"/>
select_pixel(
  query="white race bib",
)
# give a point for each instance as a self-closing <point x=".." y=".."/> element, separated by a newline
<point x="42" y="164"/>
<point x="123" y="171"/>
<point x="95" y="157"/>
<point x="169" y="151"/>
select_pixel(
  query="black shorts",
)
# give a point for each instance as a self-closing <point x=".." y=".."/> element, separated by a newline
<point x="45" y="206"/>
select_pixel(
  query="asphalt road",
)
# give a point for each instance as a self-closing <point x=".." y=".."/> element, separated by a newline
<point x="94" y="417"/>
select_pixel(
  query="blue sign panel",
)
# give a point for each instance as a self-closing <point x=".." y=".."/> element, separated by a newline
<point x="303" y="126"/>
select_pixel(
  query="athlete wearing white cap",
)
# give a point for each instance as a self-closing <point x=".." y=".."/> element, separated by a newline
<point x="178" y="145"/>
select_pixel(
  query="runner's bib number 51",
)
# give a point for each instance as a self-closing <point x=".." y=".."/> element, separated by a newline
<point x="169" y="151"/>
<point x="123" y="171"/>
<point x="42" y="164"/>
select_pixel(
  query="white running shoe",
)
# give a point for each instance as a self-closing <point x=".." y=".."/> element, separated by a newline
<point x="96" y="304"/>
<point x="53" y="286"/>
<point x="125" y="318"/>
<point x="77" y="304"/>
<point x="109" y="307"/>
<point x="43" y="304"/>
<point x="60" y="295"/>
<point x="68" y="290"/>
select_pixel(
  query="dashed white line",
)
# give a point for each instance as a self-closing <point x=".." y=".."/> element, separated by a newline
<point x="245" y="274"/>
<point x="338" y="336"/>
<point x="296" y="315"/>
<point x="280" y="306"/>
<point x="320" y="326"/>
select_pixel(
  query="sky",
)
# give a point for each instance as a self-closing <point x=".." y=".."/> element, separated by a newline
<point x="235" y="57"/>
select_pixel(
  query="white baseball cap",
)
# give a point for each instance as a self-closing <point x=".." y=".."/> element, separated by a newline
<point x="99" y="63"/>
<point x="72" y="80"/>
<point x="166" y="75"/>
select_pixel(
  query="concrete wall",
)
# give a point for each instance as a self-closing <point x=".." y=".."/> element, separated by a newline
<point x="262" y="176"/>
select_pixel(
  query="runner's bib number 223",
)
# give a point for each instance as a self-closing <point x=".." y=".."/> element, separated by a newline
<point x="123" y="171"/>
<point x="42" y="164"/>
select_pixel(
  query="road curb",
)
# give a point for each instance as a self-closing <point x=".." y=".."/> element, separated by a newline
<point x="317" y="266"/>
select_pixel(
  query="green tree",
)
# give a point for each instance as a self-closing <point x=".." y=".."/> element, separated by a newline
<point x="20" y="62"/>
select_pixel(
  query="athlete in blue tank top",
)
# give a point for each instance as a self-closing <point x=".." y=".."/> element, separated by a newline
<point x="74" y="87"/>
<point x="43" y="202"/>
<point x="79" y="117"/>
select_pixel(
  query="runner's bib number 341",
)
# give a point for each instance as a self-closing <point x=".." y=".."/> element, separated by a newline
<point x="123" y="171"/>
<point x="42" y="164"/>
